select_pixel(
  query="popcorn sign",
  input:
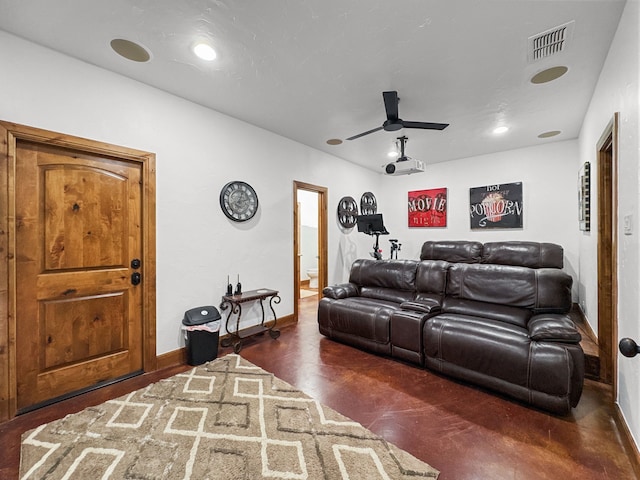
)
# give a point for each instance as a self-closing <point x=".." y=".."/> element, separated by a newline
<point x="496" y="206"/>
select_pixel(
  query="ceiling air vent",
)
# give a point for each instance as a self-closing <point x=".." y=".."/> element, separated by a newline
<point x="550" y="42"/>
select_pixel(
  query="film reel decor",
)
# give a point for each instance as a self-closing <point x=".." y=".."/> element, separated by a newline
<point x="368" y="204"/>
<point x="347" y="212"/>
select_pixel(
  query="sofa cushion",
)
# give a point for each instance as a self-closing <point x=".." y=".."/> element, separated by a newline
<point x="492" y="347"/>
<point x="503" y="357"/>
<point x="506" y="285"/>
<point x="525" y="254"/>
<point x="391" y="274"/>
<point x="541" y="290"/>
<point x="362" y="317"/>
<point x="459" y="251"/>
<point x="431" y="276"/>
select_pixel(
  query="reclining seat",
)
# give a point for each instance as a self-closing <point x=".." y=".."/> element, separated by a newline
<point x="505" y="328"/>
<point x="359" y="312"/>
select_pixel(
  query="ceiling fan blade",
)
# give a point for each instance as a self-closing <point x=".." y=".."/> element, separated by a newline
<point x="391" y="105"/>
<point x="364" y="133"/>
<point x="425" y="125"/>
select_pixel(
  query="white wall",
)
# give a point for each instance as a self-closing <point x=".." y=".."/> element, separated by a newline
<point x="618" y="90"/>
<point x="198" y="151"/>
<point x="548" y="173"/>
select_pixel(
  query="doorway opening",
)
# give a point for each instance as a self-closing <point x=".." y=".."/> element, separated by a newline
<point x="309" y="242"/>
<point x="607" y="156"/>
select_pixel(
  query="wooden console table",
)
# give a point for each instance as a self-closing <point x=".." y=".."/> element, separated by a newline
<point x="234" y="304"/>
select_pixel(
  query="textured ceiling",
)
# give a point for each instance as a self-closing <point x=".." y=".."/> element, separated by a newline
<point x="316" y="69"/>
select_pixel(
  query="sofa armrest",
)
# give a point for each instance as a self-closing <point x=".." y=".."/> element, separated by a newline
<point x="553" y="328"/>
<point x="422" y="306"/>
<point x="342" y="290"/>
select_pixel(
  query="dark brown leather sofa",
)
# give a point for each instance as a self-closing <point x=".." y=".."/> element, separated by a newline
<point x="492" y="314"/>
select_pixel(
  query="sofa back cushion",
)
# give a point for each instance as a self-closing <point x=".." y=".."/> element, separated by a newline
<point x="525" y="254"/>
<point x="392" y="280"/>
<point x="540" y="290"/>
<point x="431" y="277"/>
<point x="454" y="251"/>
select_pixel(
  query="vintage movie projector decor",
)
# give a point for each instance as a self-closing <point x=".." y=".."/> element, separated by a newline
<point x="347" y="212"/>
<point x="368" y="204"/>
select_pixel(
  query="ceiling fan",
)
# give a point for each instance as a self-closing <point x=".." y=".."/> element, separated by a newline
<point x="393" y="122"/>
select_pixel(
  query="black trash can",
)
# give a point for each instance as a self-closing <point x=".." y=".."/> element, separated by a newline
<point x="202" y="329"/>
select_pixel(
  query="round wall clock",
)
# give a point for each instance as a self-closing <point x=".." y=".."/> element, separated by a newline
<point x="238" y="201"/>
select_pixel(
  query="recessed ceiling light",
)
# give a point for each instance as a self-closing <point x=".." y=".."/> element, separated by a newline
<point x="334" y="141"/>
<point x="130" y="50"/>
<point x="551" y="133"/>
<point x="549" y="74"/>
<point x="204" y="51"/>
<point x="500" y="130"/>
<point x="392" y="153"/>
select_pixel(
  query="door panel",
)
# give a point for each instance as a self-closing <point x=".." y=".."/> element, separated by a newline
<point x="78" y="225"/>
<point x="75" y="329"/>
<point x="89" y="218"/>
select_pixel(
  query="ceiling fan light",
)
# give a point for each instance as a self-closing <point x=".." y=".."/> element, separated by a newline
<point x="204" y="51"/>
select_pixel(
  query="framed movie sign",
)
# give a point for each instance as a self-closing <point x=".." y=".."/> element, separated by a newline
<point x="428" y="208"/>
<point x="584" y="197"/>
<point x="496" y="206"/>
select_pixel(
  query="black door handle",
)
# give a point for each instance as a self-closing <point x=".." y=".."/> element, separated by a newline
<point x="136" y="278"/>
<point x="628" y="347"/>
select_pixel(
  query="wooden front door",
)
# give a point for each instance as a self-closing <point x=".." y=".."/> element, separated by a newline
<point x="607" y="204"/>
<point x="78" y="220"/>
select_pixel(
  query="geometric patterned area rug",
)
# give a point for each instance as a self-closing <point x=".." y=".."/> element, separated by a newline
<point x="225" y="420"/>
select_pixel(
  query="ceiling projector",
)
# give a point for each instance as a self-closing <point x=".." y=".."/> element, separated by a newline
<point x="404" y="166"/>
